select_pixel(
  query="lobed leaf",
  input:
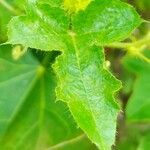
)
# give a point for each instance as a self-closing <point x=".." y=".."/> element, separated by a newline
<point x="101" y="23"/>
<point x="106" y="21"/>
<point x="43" y="28"/>
<point x="83" y="82"/>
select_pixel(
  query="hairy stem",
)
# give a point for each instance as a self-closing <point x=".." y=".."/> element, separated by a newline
<point x="139" y="43"/>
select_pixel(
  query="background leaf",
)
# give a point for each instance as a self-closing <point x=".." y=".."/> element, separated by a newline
<point x="138" y="106"/>
<point x="29" y="117"/>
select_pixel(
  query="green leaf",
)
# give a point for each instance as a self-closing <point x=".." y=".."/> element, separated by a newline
<point x="45" y="25"/>
<point x="106" y="21"/>
<point x="83" y="81"/>
<point x="29" y="117"/>
<point x="139" y="103"/>
<point x="41" y="29"/>
<point x="87" y="87"/>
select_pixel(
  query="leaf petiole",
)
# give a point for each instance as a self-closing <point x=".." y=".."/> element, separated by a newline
<point x="134" y="48"/>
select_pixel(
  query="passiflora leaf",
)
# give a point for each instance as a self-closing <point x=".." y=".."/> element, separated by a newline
<point x="87" y="87"/>
<point x="29" y="117"/>
<point x="83" y="81"/>
<point x="106" y="21"/>
<point x="140" y="95"/>
<point x="41" y="29"/>
<point x="101" y="23"/>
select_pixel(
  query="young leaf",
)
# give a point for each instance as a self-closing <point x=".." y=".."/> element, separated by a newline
<point x="84" y="83"/>
<point x="43" y="29"/>
<point x="106" y="21"/>
<point x="87" y="87"/>
<point x="140" y="95"/>
<point x="102" y="22"/>
<point x="29" y="117"/>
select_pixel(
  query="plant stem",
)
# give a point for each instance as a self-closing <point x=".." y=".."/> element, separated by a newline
<point x="134" y="48"/>
<point x="139" y="43"/>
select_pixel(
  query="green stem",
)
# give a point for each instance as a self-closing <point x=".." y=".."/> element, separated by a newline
<point x="134" y="48"/>
<point x="139" y="43"/>
<point x="144" y="57"/>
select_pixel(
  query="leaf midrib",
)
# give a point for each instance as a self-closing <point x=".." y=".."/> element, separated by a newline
<point x="73" y="39"/>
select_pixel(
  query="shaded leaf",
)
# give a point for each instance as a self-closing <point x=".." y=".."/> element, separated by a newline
<point x="44" y="28"/>
<point x="44" y="25"/>
<point x="29" y="117"/>
<point x="139" y="103"/>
